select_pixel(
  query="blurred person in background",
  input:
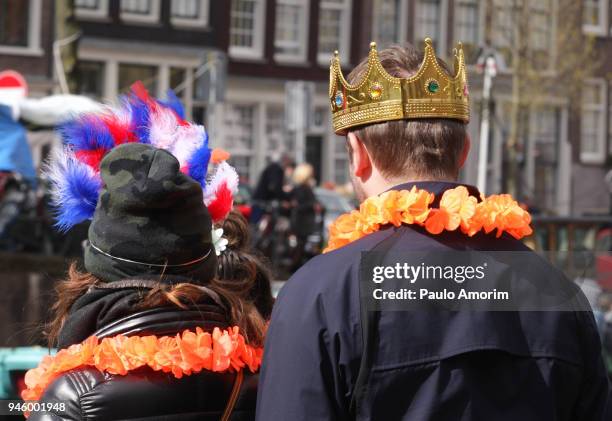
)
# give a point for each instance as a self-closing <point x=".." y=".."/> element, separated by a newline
<point x="601" y="309"/>
<point x="272" y="187"/>
<point x="605" y="325"/>
<point x="149" y="330"/>
<point x="303" y="209"/>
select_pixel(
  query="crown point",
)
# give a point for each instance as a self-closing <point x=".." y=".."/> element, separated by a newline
<point x="428" y="41"/>
<point x="372" y="45"/>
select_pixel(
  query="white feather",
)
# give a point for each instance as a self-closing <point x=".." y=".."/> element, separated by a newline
<point x="162" y="132"/>
<point x="187" y="140"/>
<point x="56" y="169"/>
<point x="224" y="173"/>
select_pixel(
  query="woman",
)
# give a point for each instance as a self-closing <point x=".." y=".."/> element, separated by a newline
<point x="148" y="331"/>
<point x="304" y="206"/>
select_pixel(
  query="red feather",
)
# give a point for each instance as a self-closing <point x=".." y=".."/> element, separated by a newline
<point x="221" y="204"/>
<point x="120" y="131"/>
<point x="91" y="157"/>
<point x="141" y="92"/>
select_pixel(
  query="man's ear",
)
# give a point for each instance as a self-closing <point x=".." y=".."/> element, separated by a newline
<point x="466" y="150"/>
<point x="360" y="158"/>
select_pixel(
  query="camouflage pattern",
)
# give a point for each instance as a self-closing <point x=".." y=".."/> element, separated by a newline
<point x="150" y="219"/>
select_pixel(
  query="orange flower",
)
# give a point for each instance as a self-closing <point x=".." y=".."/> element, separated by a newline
<point x="456" y="209"/>
<point x="222" y="349"/>
<point x="219" y="155"/>
<point x="503" y="213"/>
<point x="108" y="356"/>
<point x="181" y="355"/>
<point x="414" y="205"/>
<point x="196" y="349"/>
<point x="138" y="350"/>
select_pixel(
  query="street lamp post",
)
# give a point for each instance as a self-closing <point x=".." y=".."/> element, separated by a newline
<point x="490" y="71"/>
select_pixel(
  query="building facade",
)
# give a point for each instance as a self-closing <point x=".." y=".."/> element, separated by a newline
<point x="249" y="50"/>
<point x="564" y="148"/>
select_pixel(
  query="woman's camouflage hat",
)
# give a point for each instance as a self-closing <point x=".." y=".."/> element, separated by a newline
<point x="140" y="171"/>
<point x="150" y="219"/>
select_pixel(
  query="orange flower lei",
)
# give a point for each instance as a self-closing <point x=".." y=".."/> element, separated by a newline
<point x="183" y="354"/>
<point x="457" y="210"/>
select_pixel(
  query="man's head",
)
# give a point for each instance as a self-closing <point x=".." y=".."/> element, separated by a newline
<point x="384" y="154"/>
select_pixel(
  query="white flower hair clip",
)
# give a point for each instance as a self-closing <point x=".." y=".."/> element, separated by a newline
<point x="218" y="240"/>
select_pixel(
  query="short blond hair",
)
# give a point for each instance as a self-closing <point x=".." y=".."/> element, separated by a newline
<point x="303" y="173"/>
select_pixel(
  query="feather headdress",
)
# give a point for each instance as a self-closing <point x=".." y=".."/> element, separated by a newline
<point x="74" y="170"/>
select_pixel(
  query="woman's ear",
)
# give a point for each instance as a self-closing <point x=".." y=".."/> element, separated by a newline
<point x="361" y="163"/>
<point x="466" y="150"/>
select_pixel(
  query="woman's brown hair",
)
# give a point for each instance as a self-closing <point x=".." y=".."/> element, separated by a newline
<point x="241" y="269"/>
<point x="245" y="291"/>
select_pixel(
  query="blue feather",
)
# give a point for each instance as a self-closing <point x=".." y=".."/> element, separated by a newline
<point x="141" y="119"/>
<point x="76" y="189"/>
<point x="174" y="103"/>
<point x="198" y="162"/>
<point x="86" y="133"/>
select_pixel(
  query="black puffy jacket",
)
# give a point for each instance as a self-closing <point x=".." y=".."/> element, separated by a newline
<point x="146" y="394"/>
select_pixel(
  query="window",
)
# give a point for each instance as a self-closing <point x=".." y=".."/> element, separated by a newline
<point x="90" y="79"/>
<point x="545" y="137"/>
<point x="20" y="22"/>
<point x="246" y="28"/>
<point x="140" y="10"/>
<point x="467" y="27"/>
<point x="387" y="25"/>
<point x="91" y="8"/>
<point x="239" y="136"/>
<point x="320" y="119"/>
<point x="290" y="34"/>
<point x="87" y="4"/>
<point x="341" y="163"/>
<point x="279" y="140"/>
<point x="192" y="13"/>
<point x="14" y="22"/>
<point x="503" y="29"/>
<point x="593" y="124"/>
<point x="130" y="73"/>
<point x="177" y="82"/>
<point x="540" y="32"/>
<point x="594" y="16"/>
<point x="334" y="34"/>
<point x="428" y="19"/>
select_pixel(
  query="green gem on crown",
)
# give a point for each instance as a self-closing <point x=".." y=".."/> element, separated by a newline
<point x="433" y="86"/>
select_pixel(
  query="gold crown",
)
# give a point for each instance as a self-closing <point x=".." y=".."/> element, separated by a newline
<point x="430" y="93"/>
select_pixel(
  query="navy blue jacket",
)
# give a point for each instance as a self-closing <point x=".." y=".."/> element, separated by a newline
<point x="444" y="365"/>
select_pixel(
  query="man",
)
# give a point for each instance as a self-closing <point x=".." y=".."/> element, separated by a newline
<point x="271" y="185"/>
<point x="328" y="357"/>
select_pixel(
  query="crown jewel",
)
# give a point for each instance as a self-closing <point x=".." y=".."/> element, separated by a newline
<point x="378" y="97"/>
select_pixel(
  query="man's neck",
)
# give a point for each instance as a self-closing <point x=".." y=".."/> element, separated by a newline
<point x="384" y="184"/>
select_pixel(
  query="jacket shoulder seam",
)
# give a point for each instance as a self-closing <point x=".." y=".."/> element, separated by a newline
<point x="75" y="378"/>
